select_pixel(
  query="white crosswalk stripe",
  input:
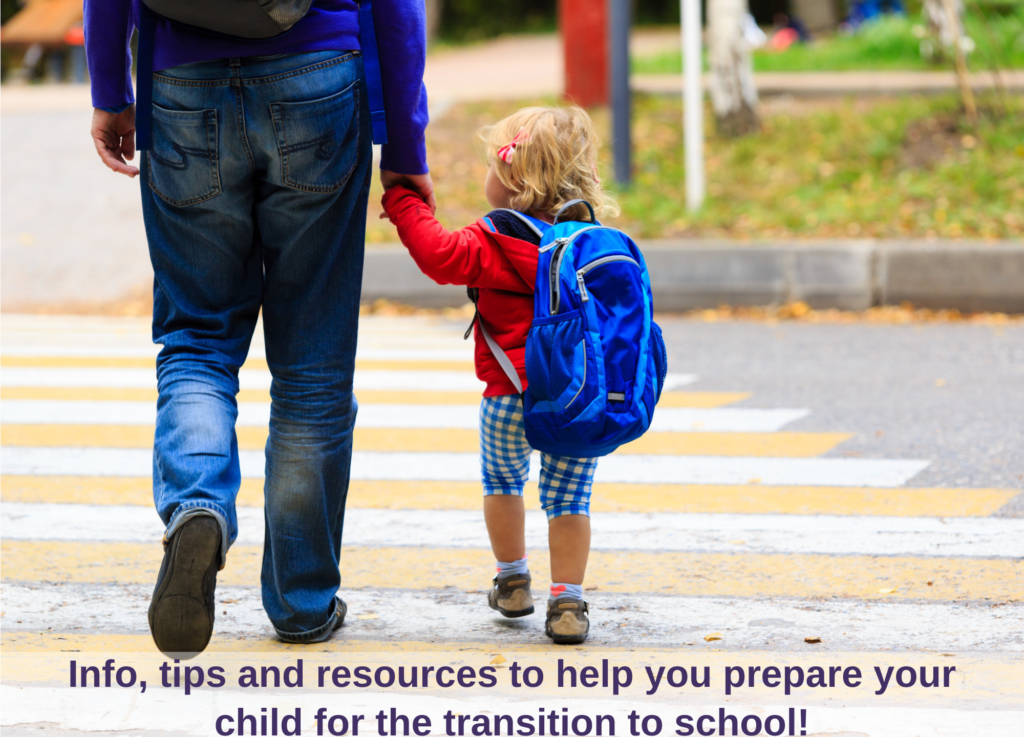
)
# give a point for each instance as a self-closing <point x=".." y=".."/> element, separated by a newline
<point x="386" y="380"/>
<point x="253" y="414"/>
<point x="831" y="535"/>
<point x="383" y="466"/>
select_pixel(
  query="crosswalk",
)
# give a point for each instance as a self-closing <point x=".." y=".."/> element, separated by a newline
<point x="720" y="520"/>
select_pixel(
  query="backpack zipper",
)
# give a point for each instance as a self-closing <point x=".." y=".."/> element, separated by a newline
<point x="584" y="295"/>
<point x="556" y="262"/>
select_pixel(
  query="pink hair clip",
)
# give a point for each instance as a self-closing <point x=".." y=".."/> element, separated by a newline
<point x="505" y="152"/>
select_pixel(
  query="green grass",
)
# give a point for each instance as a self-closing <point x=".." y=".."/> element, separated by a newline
<point x="841" y="170"/>
<point x="817" y="169"/>
<point x="886" y="45"/>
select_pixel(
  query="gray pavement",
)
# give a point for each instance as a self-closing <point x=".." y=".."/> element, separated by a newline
<point x="953" y="393"/>
<point x="71" y="231"/>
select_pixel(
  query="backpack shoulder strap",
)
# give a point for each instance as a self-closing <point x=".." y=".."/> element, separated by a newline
<point x="539" y="227"/>
<point x="144" y="80"/>
<point x="503" y="360"/>
<point x="371" y="67"/>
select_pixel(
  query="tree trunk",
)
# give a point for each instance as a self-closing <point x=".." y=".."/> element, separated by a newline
<point x="733" y="95"/>
<point x="946" y="21"/>
<point x="434" y="10"/>
<point x="947" y="30"/>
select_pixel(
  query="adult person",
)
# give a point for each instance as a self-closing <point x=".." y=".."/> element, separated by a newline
<point x="254" y="198"/>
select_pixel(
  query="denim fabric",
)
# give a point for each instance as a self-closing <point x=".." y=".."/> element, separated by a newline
<point x="254" y="197"/>
<point x="565" y="483"/>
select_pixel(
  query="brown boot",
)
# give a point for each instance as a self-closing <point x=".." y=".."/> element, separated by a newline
<point x="567" y="623"/>
<point x="511" y="595"/>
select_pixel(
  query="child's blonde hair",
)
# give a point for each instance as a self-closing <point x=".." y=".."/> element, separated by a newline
<point x="554" y="161"/>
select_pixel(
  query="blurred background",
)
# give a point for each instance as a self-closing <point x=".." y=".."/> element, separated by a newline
<point x="845" y="119"/>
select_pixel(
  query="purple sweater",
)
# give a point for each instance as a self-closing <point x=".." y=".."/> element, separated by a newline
<point x="331" y="25"/>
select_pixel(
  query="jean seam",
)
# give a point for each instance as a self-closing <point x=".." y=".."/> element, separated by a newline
<point x="311" y="635"/>
<point x="243" y="133"/>
<point x="227" y="81"/>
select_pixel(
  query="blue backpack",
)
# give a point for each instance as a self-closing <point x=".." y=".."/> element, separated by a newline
<point x="595" y="359"/>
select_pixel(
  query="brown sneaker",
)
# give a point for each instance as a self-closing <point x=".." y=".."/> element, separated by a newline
<point x="567" y="623"/>
<point x="511" y="595"/>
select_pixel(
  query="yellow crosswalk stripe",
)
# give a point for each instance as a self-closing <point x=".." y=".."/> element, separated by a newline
<point x="251" y="363"/>
<point x="645" y="498"/>
<point x="469" y="569"/>
<point x="385" y="439"/>
<point x="692" y="400"/>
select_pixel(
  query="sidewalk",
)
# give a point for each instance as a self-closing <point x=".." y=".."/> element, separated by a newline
<point x="484" y="72"/>
<point x="527" y="66"/>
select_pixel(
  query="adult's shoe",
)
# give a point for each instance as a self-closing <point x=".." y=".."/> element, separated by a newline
<point x="182" y="611"/>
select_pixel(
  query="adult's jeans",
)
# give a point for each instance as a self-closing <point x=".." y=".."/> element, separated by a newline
<point x="254" y="197"/>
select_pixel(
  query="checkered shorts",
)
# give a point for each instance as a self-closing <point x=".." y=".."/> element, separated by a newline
<point x="505" y="461"/>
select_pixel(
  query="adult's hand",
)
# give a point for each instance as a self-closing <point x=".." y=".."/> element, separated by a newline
<point x="114" y="137"/>
<point x="419" y="183"/>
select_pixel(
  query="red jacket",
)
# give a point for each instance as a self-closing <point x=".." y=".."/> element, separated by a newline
<point x="503" y="268"/>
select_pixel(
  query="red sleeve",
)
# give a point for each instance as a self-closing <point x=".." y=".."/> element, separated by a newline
<point x="471" y="256"/>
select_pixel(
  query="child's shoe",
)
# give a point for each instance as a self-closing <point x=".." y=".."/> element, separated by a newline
<point x="511" y="595"/>
<point x="567" y="623"/>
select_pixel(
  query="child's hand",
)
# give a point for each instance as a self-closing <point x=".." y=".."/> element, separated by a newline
<point x="421" y="184"/>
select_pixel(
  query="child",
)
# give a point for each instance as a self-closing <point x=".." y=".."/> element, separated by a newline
<point x="540" y="159"/>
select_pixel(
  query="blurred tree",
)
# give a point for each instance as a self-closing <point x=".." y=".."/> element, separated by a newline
<point x="9" y="8"/>
<point x="733" y="95"/>
<point x="946" y="21"/>
<point x="948" y="28"/>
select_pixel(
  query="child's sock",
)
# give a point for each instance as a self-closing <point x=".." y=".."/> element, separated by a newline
<point x="575" y="590"/>
<point x="517" y="566"/>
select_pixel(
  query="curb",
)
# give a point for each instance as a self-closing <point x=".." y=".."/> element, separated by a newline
<point x="849" y="275"/>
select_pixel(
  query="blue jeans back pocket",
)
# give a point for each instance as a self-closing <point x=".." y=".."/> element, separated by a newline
<point x="183" y="163"/>
<point x="318" y="140"/>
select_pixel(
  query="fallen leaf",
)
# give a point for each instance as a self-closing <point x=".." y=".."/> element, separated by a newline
<point x="591" y="588"/>
<point x="713" y="636"/>
<point x="889" y="591"/>
<point x="498" y="660"/>
<point x="812" y="640"/>
<point x="930" y="583"/>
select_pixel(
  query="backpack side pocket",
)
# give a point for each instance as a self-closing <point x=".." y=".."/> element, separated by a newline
<point x="659" y="358"/>
<point x="556" y="361"/>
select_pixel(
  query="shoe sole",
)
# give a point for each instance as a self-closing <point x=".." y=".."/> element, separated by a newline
<point x="568" y="639"/>
<point x="565" y="639"/>
<point x="178" y="618"/>
<point x="517" y="594"/>
<point x="512" y="613"/>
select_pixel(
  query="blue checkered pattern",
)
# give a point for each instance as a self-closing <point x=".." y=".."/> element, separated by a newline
<point x="505" y="461"/>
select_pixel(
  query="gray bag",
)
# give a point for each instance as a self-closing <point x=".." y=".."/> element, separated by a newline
<point x="239" y="18"/>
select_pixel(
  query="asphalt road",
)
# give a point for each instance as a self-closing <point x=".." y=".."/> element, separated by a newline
<point x="950" y="393"/>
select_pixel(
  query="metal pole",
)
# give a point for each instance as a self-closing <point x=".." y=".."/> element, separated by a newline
<point x="618" y="45"/>
<point x="693" y="104"/>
